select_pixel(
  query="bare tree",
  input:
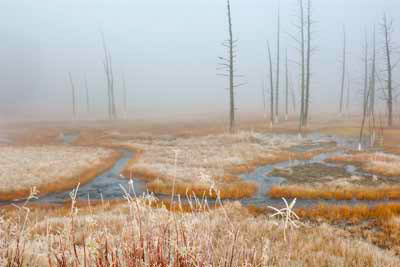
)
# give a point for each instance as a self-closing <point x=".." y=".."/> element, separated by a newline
<point x="303" y="25"/>
<point x="125" y="96"/>
<point x="87" y="96"/>
<point x="271" y="84"/>
<point x="286" y="88"/>
<point x="107" y="62"/>
<point x="365" y="91"/>
<point x="293" y="94"/>
<point x="308" y="74"/>
<point x="231" y="84"/>
<point x="365" y="109"/>
<point x="373" y="77"/>
<point x="343" y="71"/>
<point x="264" y="98"/>
<point x="302" y="64"/>
<point x="369" y="105"/>
<point x="348" y="92"/>
<point x="229" y="65"/>
<point x="72" y="95"/>
<point x="278" y="67"/>
<point x="387" y="30"/>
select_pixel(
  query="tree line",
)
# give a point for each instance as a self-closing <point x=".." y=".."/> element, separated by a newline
<point x="303" y="38"/>
<point x="374" y="79"/>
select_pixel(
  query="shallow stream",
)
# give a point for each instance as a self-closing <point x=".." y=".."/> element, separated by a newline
<point x="108" y="185"/>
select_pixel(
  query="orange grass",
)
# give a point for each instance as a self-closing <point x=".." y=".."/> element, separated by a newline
<point x="35" y="136"/>
<point x="392" y="149"/>
<point x="358" y="213"/>
<point x="360" y="193"/>
<point x="225" y="190"/>
<point x="65" y="183"/>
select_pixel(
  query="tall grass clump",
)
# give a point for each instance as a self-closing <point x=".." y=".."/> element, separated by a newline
<point x="141" y="231"/>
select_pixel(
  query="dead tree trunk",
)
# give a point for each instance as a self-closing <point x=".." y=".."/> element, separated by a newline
<point x="373" y="78"/>
<point x="73" y="96"/>
<point x="308" y="77"/>
<point x="87" y="96"/>
<point x="110" y="80"/>
<point x="348" y="93"/>
<point x="343" y="71"/>
<point x="106" y="69"/>
<point x="271" y="84"/>
<point x="286" y="88"/>
<point x="228" y="65"/>
<point x="278" y="67"/>
<point x="293" y="96"/>
<point x="302" y="65"/>
<point x="366" y="78"/>
<point x="264" y="99"/>
<point x="365" y="109"/>
<point x="387" y="29"/>
<point x="125" y="96"/>
<point x="231" y="84"/>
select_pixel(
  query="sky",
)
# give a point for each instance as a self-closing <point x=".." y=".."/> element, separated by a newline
<point x="168" y="52"/>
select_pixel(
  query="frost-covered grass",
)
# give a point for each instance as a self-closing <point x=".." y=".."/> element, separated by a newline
<point x="134" y="234"/>
<point x="205" y="161"/>
<point x="376" y="163"/>
<point x="383" y="184"/>
<point x="45" y="167"/>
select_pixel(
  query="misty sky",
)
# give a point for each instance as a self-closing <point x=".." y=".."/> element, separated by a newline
<point x="168" y="52"/>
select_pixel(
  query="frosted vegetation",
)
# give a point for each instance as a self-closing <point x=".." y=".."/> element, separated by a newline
<point x="200" y="159"/>
<point x="24" y="167"/>
<point x="134" y="234"/>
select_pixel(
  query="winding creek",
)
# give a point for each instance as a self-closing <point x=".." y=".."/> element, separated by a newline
<point x="107" y="185"/>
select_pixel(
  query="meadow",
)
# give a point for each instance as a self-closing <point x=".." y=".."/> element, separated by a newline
<point x="209" y="224"/>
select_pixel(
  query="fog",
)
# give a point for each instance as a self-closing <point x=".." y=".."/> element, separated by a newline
<point x="168" y="51"/>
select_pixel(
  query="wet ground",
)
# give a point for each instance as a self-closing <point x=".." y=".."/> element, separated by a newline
<point x="109" y="184"/>
<point x="69" y="137"/>
<point x="311" y="173"/>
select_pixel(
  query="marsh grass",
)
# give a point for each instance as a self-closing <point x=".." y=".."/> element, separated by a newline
<point x="45" y="167"/>
<point x="207" y="162"/>
<point x="340" y="193"/>
<point x="376" y="163"/>
<point x="379" y="225"/>
<point x="142" y="232"/>
<point x="231" y="190"/>
<point x="354" y="214"/>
